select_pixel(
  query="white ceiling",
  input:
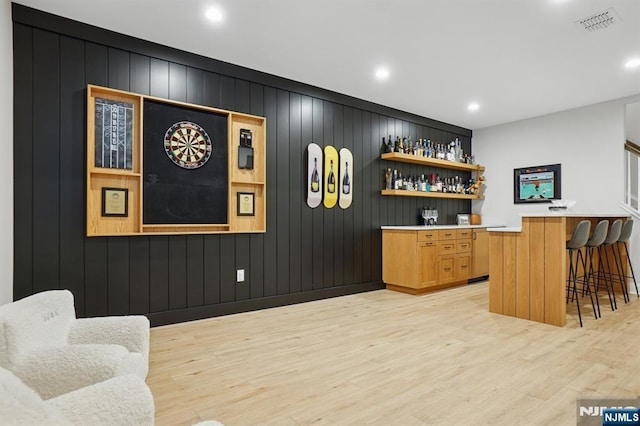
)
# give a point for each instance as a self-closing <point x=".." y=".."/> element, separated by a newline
<point x="516" y="58"/>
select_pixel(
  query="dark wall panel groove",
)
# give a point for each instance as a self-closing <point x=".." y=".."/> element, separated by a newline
<point x="306" y="254"/>
<point x="72" y="137"/>
<point x="46" y="160"/>
<point x="23" y="162"/>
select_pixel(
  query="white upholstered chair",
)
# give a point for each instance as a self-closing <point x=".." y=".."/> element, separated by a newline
<point x="122" y="400"/>
<point x="52" y="352"/>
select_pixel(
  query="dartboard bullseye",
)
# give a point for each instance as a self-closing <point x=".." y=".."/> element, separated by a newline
<point x="187" y="144"/>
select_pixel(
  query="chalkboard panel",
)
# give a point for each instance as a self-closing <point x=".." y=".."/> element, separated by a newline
<point x="175" y="194"/>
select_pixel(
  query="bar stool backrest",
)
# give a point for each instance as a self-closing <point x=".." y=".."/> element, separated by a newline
<point x="580" y="235"/>
<point x="625" y="234"/>
<point x="599" y="234"/>
<point x="614" y="232"/>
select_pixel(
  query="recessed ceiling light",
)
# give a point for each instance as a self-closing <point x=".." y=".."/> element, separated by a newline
<point x="213" y="14"/>
<point x="633" y="63"/>
<point x="382" y="73"/>
<point x="473" y="106"/>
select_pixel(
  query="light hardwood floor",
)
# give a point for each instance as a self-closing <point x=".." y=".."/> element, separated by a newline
<point x="391" y="359"/>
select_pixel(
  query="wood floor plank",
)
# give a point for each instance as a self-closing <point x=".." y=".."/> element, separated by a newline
<point x="385" y="357"/>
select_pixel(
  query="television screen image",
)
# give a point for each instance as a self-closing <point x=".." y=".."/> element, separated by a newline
<point x="536" y="186"/>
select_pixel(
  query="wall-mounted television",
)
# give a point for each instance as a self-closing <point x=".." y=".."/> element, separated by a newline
<point x="537" y="184"/>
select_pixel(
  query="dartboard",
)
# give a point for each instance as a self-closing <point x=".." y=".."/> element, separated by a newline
<point x="187" y="145"/>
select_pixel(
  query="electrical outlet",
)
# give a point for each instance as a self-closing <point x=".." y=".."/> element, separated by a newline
<point x="240" y="275"/>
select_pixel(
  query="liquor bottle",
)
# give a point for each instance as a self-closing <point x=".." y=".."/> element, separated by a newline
<point x="346" y="182"/>
<point x="396" y="181"/>
<point x="459" y="152"/>
<point x="388" y="179"/>
<point x="315" y="177"/>
<point x="451" y="152"/>
<point x="331" y="180"/>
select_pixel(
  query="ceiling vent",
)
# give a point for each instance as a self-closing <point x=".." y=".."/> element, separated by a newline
<point x="600" y="20"/>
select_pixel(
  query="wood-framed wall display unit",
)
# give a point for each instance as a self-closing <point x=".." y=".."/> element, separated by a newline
<point x="116" y="159"/>
<point x="475" y="169"/>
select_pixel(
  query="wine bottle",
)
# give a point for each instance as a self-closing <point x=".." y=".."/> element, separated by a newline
<point x="315" y="177"/>
<point x="331" y="180"/>
<point x="346" y="182"/>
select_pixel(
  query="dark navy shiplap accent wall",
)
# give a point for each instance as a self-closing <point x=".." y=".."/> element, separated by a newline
<point x="306" y="254"/>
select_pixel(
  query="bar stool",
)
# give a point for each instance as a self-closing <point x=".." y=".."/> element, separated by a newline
<point x="612" y="238"/>
<point x="625" y="234"/>
<point x="596" y="240"/>
<point x="575" y="245"/>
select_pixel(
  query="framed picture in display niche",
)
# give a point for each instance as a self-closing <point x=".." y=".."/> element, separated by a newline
<point x="115" y="202"/>
<point x="246" y="204"/>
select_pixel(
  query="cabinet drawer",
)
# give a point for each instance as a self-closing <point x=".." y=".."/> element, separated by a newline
<point x="463" y="246"/>
<point x="428" y="235"/>
<point x="463" y="234"/>
<point x="427" y="243"/>
<point x="445" y="248"/>
<point x="447" y="234"/>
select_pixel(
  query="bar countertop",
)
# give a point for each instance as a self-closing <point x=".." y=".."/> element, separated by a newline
<point x="555" y="214"/>
<point x="436" y="227"/>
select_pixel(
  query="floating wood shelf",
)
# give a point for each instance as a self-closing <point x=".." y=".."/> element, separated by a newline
<point x="405" y="193"/>
<point x="426" y="161"/>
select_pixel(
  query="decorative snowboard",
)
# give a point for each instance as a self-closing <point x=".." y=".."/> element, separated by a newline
<point x="331" y="180"/>
<point x="346" y="178"/>
<point x="314" y="175"/>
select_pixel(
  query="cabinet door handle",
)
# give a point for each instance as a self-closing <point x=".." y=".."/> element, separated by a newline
<point x="427" y="244"/>
<point x="447" y="269"/>
<point x="447" y="235"/>
<point x="464" y="266"/>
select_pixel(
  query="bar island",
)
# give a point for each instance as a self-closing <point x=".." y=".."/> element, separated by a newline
<point x="529" y="266"/>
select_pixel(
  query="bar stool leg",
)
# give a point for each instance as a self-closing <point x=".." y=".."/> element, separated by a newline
<point x="572" y="283"/>
<point x="580" y="257"/>
<point x="609" y="274"/>
<point x="626" y="251"/>
<point x="617" y="260"/>
<point x="589" y="275"/>
<point x="601" y="272"/>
